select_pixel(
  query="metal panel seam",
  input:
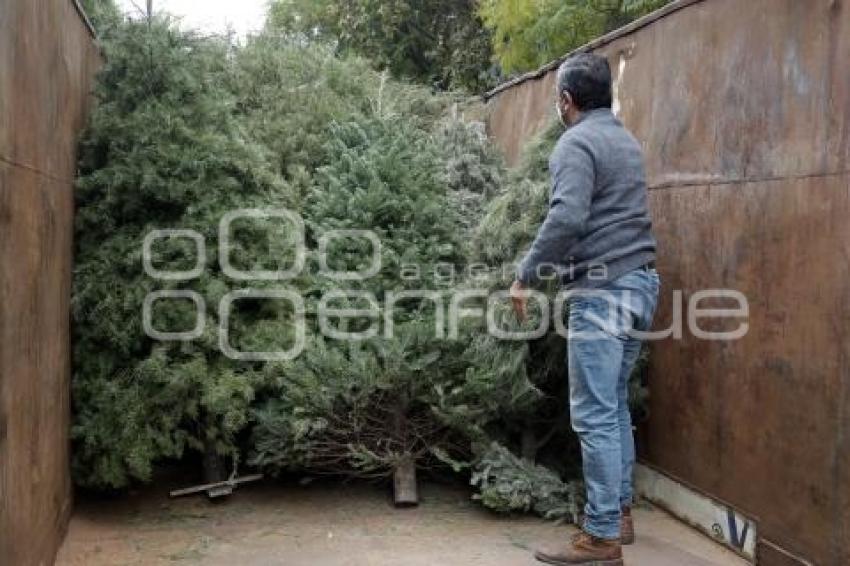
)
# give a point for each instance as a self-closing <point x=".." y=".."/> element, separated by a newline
<point x="719" y="182"/>
<point x="13" y="163"/>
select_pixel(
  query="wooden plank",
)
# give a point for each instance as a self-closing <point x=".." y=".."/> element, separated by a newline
<point x="214" y="486"/>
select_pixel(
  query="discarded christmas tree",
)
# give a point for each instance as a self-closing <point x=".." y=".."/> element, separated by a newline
<point x="187" y="130"/>
<point x="162" y="151"/>
<point x="363" y="407"/>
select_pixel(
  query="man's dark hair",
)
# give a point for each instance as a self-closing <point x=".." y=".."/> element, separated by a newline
<point x="587" y="77"/>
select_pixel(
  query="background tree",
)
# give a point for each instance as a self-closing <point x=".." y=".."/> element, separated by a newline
<point x="440" y="43"/>
<point x="103" y="14"/>
<point x="529" y="33"/>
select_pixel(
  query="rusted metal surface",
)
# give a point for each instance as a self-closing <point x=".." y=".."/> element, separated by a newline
<point x="47" y="61"/>
<point x="743" y="109"/>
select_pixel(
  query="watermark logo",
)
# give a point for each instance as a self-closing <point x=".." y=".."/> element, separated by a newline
<point x="298" y="322"/>
<point x="200" y="316"/>
<point x="224" y="245"/>
<point x="200" y="255"/>
<point x="604" y="313"/>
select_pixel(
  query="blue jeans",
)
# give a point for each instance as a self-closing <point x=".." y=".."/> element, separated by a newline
<point x="601" y="354"/>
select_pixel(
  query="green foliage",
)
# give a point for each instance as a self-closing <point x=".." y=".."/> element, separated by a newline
<point x="187" y="129"/>
<point x="513" y="216"/>
<point x="436" y="42"/>
<point x="385" y="173"/>
<point x="162" y="150"/>
<point x="288" y="95"/>
<point x="529" y="33"/>
<point x="358" y="409"/>
<point x="474" y="170"/>
<point x="509" y="484"/>
<point x="103" y="14"/>
<point x="409" y="166"/>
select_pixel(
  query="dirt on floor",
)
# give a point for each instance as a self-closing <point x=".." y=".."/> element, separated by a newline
<point x="325" y="524"/>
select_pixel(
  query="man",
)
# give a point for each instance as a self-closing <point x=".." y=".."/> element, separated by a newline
<point x="597" y="237"/>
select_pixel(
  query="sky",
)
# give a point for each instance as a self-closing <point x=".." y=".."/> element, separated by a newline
<point x="243" y="16"/>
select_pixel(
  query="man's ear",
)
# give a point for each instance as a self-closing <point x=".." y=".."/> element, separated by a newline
<point x="567" y="100"/>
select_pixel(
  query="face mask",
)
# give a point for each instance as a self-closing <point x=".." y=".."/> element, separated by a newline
<point x="561" y="115"/>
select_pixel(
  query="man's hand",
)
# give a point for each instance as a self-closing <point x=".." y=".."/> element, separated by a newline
<point x="519" y="298"/>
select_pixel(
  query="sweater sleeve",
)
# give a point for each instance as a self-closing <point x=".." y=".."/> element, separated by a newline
<point x="573" y="180"/>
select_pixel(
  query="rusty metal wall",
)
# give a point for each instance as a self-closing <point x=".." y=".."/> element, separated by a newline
<point x="743" y="109"/>
<point x="48" y="58"/>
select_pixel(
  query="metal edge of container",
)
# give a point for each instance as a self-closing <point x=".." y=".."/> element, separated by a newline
<point x="671" y="508"/>
<point x="82" y="12"/>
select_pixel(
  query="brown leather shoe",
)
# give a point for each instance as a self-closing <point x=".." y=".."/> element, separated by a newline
<point x="584" y="550"/>
<point x="627" y="527"/>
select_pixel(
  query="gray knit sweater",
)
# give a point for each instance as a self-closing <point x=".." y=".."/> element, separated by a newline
<point x="598" y="226"/>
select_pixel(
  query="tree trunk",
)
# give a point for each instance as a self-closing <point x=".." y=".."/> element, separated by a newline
<point x="529" y="443"/>
<point x="405" y="490"/>
<point x="215" y="466"/>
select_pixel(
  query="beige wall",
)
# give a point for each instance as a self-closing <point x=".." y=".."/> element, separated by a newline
<point x="47" y="60"/>
<point x="743" y="109"/>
